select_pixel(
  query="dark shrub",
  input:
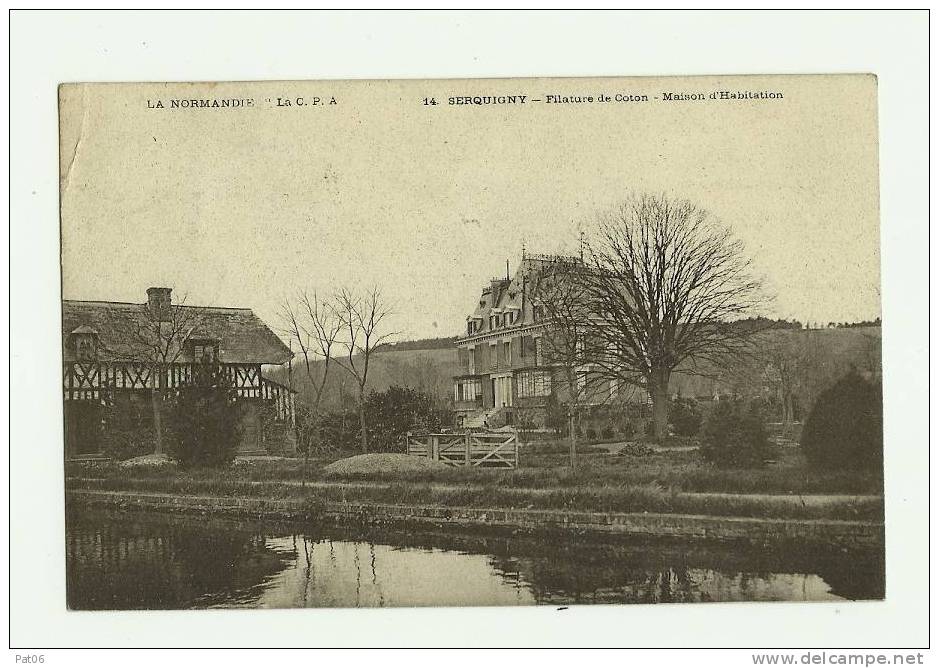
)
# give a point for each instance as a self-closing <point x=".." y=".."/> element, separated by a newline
<point x="202" y="420"/>
<point x="555" y="415"/>
<point x="845" y="427"/>
<point x="128" y="427"/>
<point x="685" y="417"/>
<point x="637" y="450"/>
<point x="337" y="430"/>
<point x="607" y="432"/>
<point x="391" y="414"/>
<point x="627" y="429"/>
<point x="734" y="436"/>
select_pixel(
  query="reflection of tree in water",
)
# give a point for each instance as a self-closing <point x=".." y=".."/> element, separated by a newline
<point x="856" y="579"/>
<point x="580" y="570"/>
<point x="133" y="560"/>
<point x="670" y="573"/>
<point x="598" y="576"/>
<point x="121" y="563"/>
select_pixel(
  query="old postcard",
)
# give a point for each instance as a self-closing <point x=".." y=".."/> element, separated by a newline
<point x="471" y="342"/>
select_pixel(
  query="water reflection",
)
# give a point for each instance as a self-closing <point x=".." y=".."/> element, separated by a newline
<point x="132" y="560"/>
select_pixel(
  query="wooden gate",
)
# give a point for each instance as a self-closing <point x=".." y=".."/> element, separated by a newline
<point x="497" y="449"/>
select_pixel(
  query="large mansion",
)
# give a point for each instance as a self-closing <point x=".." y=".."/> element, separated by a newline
<point x="504" y="376"/>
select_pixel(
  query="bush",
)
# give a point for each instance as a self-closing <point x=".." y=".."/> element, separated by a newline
<point x="555" y="415"/>
<point x="202" y="421"/>
<point x="734" y="436"/>
<point x="845" y="426"/>
<point x="685" y="417"/>
<point x="338" y="430"/>
<point x="637" y="450"/>
<point x="128" y="428"/>
<point x="391" y="414"/>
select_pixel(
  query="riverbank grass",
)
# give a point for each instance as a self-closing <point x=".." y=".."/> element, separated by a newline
<point x="672" y="482"/>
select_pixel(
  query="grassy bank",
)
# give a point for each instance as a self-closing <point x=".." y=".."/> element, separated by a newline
<point x="677" y="482"/>
<point x="624" y="498"/>
<point x="545" y="468"/>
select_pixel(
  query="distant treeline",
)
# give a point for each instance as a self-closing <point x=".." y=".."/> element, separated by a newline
<point x="770" y="323"/>
<point x="422" y="344"/>
<point x="813" y="357"/>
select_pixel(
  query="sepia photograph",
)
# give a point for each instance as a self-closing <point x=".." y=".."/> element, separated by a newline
<point x="447" y="329"/>
<point x="471" y="342"/>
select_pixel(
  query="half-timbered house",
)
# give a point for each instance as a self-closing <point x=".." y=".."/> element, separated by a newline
<point x="118" y="355"/>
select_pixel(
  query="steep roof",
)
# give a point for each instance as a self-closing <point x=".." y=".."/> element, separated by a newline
<point x="243" y="337"/>
<point x="503" y="294"/>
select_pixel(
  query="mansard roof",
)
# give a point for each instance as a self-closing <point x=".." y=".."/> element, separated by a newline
<point x="511" y="294"/>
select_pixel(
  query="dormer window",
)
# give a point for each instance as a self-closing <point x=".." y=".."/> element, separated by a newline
<point x="85" y="343"/>
<point x="86" y="347"/>
<point x="205" y="351"/>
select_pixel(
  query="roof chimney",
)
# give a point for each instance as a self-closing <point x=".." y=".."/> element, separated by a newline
<point x="159" y="303"/>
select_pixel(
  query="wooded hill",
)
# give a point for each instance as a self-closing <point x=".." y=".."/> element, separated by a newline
<point x="811" y="359"/>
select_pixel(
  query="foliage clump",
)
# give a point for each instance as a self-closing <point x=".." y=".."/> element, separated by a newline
<point x="389" y="414"/>
<point x="845" y="427"/>
<point x="393" y="413"/>
<point x="733" y="436"/>
<point x="685" y="417"/>
<point x="203" y="418"/>
<point x="128" y="428"/>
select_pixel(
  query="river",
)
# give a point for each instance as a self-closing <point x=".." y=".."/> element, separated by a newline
<point x="123" y="560"/>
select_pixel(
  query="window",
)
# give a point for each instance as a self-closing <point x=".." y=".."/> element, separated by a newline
<point x="538" y="313"/>
<point x="507" y="353"/>
<point x="204" y="352"/>
<point x="534" y="383"/>
<point x="528" y="346"/>
<point x="493" y="356"/>
<point x="85" y="347"/>
<point x="539" y="351"/>
<point x="468" y="390"/>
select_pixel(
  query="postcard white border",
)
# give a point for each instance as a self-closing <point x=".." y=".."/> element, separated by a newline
<point x="53" y="47"/>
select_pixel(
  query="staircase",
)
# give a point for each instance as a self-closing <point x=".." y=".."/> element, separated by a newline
<point x="481" y="419"/>
<point x="491" y="418"/>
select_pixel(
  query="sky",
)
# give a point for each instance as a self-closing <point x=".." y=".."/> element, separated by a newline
<point x="246" y="206"/>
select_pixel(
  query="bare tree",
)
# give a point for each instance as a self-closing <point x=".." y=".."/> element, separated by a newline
<point x="363" y="320"/>
<point x="158" y="339"/>
<point x="315" y="325"/>
<point x="665" y="285"/>
<point x="559" y="294"/>
<point x="786" y="362"/>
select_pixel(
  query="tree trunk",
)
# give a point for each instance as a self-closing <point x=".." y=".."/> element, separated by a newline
<point x="573" y="433"/>
<point x="362" y="421"/>
<point x="156" y="400"/>
<point x="787" y="415"/>
<point x="658" y="389"/>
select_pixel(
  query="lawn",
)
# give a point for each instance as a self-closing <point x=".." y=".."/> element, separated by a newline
<point x="656" y="482"/>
